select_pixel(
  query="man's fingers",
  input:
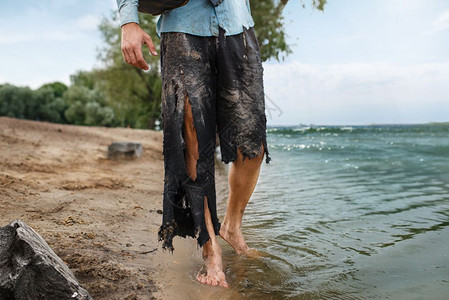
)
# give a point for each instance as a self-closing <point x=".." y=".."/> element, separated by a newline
<point x="126" y="56"/>
<point x="132" y="56"/>
<point x="150" y="44"/>
<point x="140" y="61"/>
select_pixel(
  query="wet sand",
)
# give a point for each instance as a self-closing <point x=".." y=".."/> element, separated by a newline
<point x="100" y="216"/>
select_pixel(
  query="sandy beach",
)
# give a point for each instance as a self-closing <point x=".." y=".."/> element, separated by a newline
<point x="100" y="216"/>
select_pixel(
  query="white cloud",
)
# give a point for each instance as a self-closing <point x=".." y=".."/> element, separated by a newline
<point x="357" y="92"/>
<point x="37" y="36"/>
<point x="44" y="41"/>
<point x="50" y="22"/>
<point x="88" y="22"/>
<point x="404" y="5"/>
<point x="350" y="38"/>
<point x="45" y="29"/>
<point x="441" y="23"/>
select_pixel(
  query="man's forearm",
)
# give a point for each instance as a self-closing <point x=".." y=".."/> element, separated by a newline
<point x="128" y="11"/>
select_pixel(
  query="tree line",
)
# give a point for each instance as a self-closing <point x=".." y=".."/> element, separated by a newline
<point x="57" y="103"/>
<point x="118" y="94"/>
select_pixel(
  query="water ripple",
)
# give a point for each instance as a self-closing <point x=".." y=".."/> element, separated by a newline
<point x="349" y="213"/>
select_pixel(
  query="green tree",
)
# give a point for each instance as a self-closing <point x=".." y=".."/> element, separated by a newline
<point x="57" y="87"/>
<point x="270" y="32"/>
<point x="54" y="111"/>
<point x="87" y="107"/>
<point x="84" y="78"/>
<point x="50" y="104"/>
<point x="24" y="103"/>
<point x="17" y="102"/>
<point x="134" y="94"/>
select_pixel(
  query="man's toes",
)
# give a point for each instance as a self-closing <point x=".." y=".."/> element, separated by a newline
<point x="214" y="282"/>
<point x="224" y="284"/>
<point x="206" y="280"/>
<point x="253" y="253"/>
<point x="200" y="278"/>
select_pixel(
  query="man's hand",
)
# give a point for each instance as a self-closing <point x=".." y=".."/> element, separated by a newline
<point x="133" y="37"/>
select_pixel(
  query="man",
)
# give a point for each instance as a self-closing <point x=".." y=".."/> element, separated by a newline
<point x="211" y="82"/>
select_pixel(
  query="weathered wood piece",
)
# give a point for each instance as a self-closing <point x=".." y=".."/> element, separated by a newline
<point x="118" y="150"/>
<point x="30" y="269"/>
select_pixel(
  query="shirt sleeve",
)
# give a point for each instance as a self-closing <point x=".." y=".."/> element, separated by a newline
<point x="128" y="11"/>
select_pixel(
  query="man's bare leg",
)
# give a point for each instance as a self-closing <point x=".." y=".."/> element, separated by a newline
<point x="213" y="274"/>
<point x="242" y="180"/>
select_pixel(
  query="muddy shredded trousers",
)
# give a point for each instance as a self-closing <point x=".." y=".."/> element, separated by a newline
<point x="218" y="82"/>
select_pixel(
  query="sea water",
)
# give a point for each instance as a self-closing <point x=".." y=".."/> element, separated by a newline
<point x="347" y="212"/>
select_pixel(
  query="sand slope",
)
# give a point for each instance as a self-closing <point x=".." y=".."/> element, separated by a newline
<point x="100" y="216"/>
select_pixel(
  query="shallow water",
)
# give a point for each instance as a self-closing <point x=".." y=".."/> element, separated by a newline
<point x="346" y="213"/>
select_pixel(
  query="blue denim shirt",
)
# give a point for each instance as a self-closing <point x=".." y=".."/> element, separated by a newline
<point x="197" y="17"/>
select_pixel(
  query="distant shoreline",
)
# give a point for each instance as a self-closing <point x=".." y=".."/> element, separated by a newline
<point x="361" y="125"/>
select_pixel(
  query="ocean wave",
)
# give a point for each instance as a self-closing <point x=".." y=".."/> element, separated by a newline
<point x="347" y="129"/>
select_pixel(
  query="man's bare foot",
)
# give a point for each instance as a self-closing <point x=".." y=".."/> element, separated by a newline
<point x="212" y="271"/>
<point x="235" y="238"/>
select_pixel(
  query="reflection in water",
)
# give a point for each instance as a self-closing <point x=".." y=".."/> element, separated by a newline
<point x="344" y="214"/>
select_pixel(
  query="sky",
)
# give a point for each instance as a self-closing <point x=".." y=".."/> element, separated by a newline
<point x="358" y="62"/>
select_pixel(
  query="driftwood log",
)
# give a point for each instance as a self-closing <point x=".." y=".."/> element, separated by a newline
<point x="118" y="150"/>
<point x="30" y="269"/>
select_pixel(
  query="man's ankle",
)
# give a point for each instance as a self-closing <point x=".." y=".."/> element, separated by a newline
<point x="231" y="229"/>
